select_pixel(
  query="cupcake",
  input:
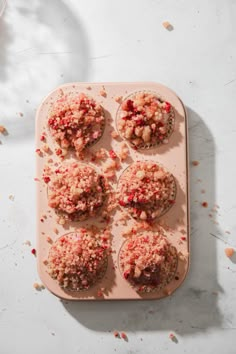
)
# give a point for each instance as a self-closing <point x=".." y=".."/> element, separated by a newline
<point x="79" y="259"/>
<point x="148" y="261"/>
<point x="145" y="120"/>
<point x="146" y="190"/>
<point x="76" y="191"/>
<point x="76" y="121"/>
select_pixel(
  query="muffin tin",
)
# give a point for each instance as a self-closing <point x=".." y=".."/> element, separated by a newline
<point x="173" y="155"/>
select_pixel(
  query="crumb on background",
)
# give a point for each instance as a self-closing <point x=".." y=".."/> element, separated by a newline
<point x="195" y="163"/>
<point x="168" y="26"/>
<point x="229" y="252"/>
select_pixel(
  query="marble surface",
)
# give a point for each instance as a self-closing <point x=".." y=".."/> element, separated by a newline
<point x="47" y="43"/>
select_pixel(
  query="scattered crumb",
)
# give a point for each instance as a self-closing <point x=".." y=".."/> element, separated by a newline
<point x="27" y="243"/>
<point x="116" y="334"/>
<point x="33" y="251"/>
<point x="39" y="152"/>
<point x="214" y="293"/>
<point x="46" y="148"/>
<point x="124" y="336"/>
<point x="2" y="129"/>
<point x="204" y="204"/>
<point x="21" y="114"/>
<point x="210" y="215"/>
<point x="55" y="230"/>
<point x="103" y="93"/>
<point x="167" y="26"/>
<point x="100" y="293"/>
<point x="229" y="252"/>
<point x="203" y="191"/>
<point x="38" y="286"/>
<point x="118" y="99"/>
<point x="124" y="152"/>
<point x="227" y="232"/>
<point x="173" y="337"/>
<point x="61" y="221"/>
<point x="52" y="333"/>
<point x="36" y="179"/>
<point x="88" y="88"/>
<point x="195" y="163"/>
<point x="49" y="240"/>
<point x="11" y="197"/>
<point x="114" y="134"/>
<point x="45" y="262"/>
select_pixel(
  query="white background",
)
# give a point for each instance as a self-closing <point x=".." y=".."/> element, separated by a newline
<point x="47" y="43"/>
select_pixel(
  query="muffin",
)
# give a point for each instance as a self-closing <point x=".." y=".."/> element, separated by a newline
<point x="75" y="190"/>
<point x="76" y="121"/>
<point x="79" y="259"/>
<point x="148" y="261"/>
<point x="145" y="120"/>
<point x="146" y="190"/>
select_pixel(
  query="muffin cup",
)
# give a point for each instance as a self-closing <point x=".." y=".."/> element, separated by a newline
<point x="98" y="277"/>
<point x="146" y="146"/>
<point x="173" y="194"/>
<point x="81" y="216"/>
<point x="146" y="288"/>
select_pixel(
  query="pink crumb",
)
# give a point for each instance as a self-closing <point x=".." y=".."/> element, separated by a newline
<point x="167" y="26"/>
<point x="114" y="134"/>
<point x="103" y="93"/>
<point x="116" y="334"/>
<point x="204" y="204"/>
<point x="2" y="129"/>
<point x="195" y="163"/>
<point x="55" y="230"/>
<point x="49" y="240"/>
<point x="118" y="99"/>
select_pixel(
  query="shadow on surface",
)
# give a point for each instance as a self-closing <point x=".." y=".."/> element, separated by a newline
<point x="5" y="39"/>
<point x="41" y="47"/>
<point x="193" y="307"/>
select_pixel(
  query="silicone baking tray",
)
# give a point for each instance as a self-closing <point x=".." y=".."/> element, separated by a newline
<point x="173" y="155"/>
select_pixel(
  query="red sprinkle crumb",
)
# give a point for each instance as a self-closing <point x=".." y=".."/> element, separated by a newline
<point x="42" y="138"/>
<point x="195" y="163"/>
<point x="39" y="152"/>
<point x="124" y="336"/>
<point x="173" y="337"/>
<point x="112" y="154"/>
<point x="183" y="238"/>
<point x="46" y="179"/>
<point x="58" y="152"/>
<point x="33" y="251"/>
<point x="116" y="334"/>
<point x="204" y="204"/>
<point x="100" y="293"/>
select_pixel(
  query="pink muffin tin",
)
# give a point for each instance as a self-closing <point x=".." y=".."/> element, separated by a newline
<point x="172" y="155"/>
